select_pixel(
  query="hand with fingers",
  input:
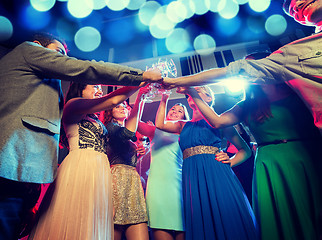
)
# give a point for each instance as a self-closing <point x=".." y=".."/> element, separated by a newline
<point x="152" y="76"/>
<point x="140" y="150"/>
<point x="223" y="157"/>
<point x="168" y="83"/>
<point x="183" y="90"/>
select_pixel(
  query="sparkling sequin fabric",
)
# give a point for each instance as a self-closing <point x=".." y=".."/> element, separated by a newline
<point x="199" y="150"/>
<point x="92" y="134"/>
<point x="128" y="196"/>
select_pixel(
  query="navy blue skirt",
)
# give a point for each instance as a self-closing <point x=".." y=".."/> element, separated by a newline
<point x="215" y="205"/>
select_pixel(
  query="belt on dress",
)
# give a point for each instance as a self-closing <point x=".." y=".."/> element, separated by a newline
<point x="280" y="141"/>
<point x="199" y="150"/>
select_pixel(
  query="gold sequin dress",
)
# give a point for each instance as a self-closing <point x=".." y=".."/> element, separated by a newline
<point x="128" y="197"/>
<point x="78" y="204"/>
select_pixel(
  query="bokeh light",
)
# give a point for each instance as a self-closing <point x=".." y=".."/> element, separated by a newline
<point x="176" y="11"/>
<point x="139" y="26"/>
<point x="189" y="6"/>
<point x="42" y="6"/>
<point x="135" y="4"/>
<point x="159" y="33"/>
<point x="97" y="4"/>
<point x="117" y="5"/>
<point x="216" y="6"/>
<point x="230" y="10"/>
<point x="275" y="25"/>
<point x="259" y="5"/>
<point x="201" y="6"/>
<point x="79" y="8"/>
<point x="178" y="41"/>
<point x="242" y="2"/>
<point x="147" y="11"/>
<point x="127" y="25"/>
<point x="160" y="25"/>
<point x="159" y="15"/>
<point x="87" y="39"/>
<point x="6" y="28"/>
<point x="204" y="44"/>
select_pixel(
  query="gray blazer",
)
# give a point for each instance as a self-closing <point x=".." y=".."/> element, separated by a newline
<point x="31" y="106"/>
<point x="298" y="64"/>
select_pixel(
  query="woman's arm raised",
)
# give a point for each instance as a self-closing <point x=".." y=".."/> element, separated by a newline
<point x="79" y="106"/>
<point x="167" y="126"/>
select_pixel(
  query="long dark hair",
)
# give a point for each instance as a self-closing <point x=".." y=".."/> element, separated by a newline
<point x="107" y="116"/>
<point x="75" y="90"/>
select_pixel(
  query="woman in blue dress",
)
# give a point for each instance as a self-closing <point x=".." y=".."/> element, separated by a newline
<point x="287" y="175"/>
<point x="215" y="205"/>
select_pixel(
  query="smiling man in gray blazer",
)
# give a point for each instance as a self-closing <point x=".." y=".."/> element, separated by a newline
<point x="31" y="103"/>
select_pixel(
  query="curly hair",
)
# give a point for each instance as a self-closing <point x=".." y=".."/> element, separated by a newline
<point x="108" y="114"/>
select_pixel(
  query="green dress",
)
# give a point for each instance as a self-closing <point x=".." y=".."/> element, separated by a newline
<point x="287" y="176"/>
<point x="164" y="188"/>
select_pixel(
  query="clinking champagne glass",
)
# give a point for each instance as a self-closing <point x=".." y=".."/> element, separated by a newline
<point x="147" y="97"/>
<point x="166" y="67"/>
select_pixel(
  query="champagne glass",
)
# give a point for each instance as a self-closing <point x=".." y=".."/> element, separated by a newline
<point x="166" y="67"/>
